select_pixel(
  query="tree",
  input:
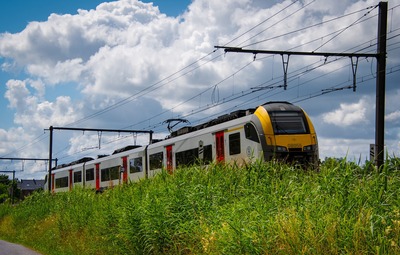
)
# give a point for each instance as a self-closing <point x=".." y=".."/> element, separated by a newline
<point x="4" y="187"/>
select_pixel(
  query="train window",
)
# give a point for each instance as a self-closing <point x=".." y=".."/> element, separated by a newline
<point x="251" y="132"/>
<point x="135" y="165"/>
<point x="78" y="176"/>
<point x="156" y="160"/>
<point x="62" y="182"/>
<point x="111" y="173"/>
<point x="234" y="144"/>
<point x="90" y="174"/>
<point x="187" y="158"/>
<point x="288" y="123"/>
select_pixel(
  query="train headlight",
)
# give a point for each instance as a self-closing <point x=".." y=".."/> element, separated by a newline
<point x="281" y="149"/>
<point x="308" y="148"/>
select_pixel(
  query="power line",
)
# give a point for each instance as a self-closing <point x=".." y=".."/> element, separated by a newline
<point x="344" y="29"/>
<point x="175" y="106"/>
<point x="259" y="24"/>
<point x="305" y="28"/>
<point x="142" y="92"/>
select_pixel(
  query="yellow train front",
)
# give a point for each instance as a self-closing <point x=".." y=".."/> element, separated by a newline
<point x="289" y="134"/>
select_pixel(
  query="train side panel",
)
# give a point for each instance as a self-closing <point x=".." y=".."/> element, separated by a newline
<point x="89" y="175"/>
<point x="77" y="176"/>
<point x="155" y="158"/>
<point x="110" y="172"/>
<point x="61" y="181"/>
<point x="235" y="141"/>
<point x="136" y="162"/>
<point x="275" y="130"/>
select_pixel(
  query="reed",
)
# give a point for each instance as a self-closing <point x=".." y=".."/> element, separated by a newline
<point x="258" y="208"/>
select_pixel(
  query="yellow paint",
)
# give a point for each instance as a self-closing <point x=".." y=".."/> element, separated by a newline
<point x="288" y="141"/>
<point x="234" y="129"/>
<point x="294" y="141"/>
<point x="265" y="120"/>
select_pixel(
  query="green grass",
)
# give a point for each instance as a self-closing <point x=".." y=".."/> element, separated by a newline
<point x="261" y="208"/>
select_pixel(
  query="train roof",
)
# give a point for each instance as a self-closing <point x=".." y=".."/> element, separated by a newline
<point x="272" y="106"/>
<point x="220" y="119"/>
<point x="126" y="148"/>
<point x="279" y="106"/>
<point x="87" y="159"/>
<point x="79" y="161"/>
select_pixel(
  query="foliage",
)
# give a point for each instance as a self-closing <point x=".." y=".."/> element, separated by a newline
<point x="4" y="187"/>
<point x="8" y="189"/>
<point x="259" y="208"/>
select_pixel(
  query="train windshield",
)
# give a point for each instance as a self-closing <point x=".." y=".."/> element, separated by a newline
<point x="288" y="122"/>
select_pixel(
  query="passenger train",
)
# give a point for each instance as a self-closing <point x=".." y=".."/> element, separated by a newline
<point x="273" y="131"/>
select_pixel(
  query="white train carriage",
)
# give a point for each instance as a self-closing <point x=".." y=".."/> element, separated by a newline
<point x="275" y="130"/>
<point x="233" y="141"/>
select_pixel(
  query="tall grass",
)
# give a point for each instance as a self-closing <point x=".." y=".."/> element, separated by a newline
<point x="259" y="208"/>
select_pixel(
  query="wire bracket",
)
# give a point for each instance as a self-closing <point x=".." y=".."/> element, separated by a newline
<point x="354" y="66"/>
<point x="99" y="133"/>
<point x="285" y="64"/>
<point x="171" y="126"/>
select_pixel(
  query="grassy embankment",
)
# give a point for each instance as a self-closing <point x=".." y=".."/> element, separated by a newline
<point x="257" y="209"/>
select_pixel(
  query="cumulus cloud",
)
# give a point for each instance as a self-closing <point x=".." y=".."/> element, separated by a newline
<point x="348" y="114"/>
<point x="352" y="149"/>
<point x="161" y="67"/>
<point x="32" y="112"/>
<point x="393" y="116"/>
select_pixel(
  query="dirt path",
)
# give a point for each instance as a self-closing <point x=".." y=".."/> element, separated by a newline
<point x="7" y="248"/>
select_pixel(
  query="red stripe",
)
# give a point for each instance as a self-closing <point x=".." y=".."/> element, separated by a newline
<point x="125" y="166"/>
<point x="98" y="176"/>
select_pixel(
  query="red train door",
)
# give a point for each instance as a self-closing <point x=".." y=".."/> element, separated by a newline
<point x="169" y="158"/>
<point x="125" y="169"/>
<point x="98" y="176"/>
<point x="219" y="144"/>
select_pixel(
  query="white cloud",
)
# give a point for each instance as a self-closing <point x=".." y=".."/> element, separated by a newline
<point x="66" y="71"/>
<point x="393" y="116"/>
<point x="32" y="112"/>
<point x="348" y="114"/>
<point x="352" y="149"/>
<point x="16" y="94"/>
<point x="122" y="48"/>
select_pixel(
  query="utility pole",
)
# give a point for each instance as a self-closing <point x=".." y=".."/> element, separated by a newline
<point x="51" y="128"/>
<point x="380" y="86"/>
<point x="380" y="80"/>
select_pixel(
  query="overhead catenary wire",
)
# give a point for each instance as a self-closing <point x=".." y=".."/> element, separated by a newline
<point x="344" y="29"/>
<point x="213" y="87"/>
<point x="117" y="105"/>
<point x="305" y="28"/>
<point x="294" y="77"/>
<point x="240" y="96"/>
<point x="143" y="92"/>
<point x="279" y="21"/>
<point x="259" y="24"/>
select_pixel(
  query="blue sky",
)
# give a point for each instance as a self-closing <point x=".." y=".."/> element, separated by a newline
<point x="14" y="19"/>
<point x="127" y="64"/>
